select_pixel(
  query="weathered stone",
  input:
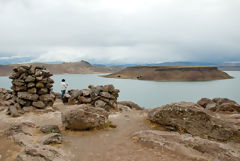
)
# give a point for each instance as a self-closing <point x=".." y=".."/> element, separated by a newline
<point x="48" y="153"/>
<point x="84" y="99"/>
<point x="32" y="70"/>
<point x="39" y="85"/>
<point x="53" y="138"/>
<point x="13" y="111"/>
<point x="131" y="105"/>
<point x="30" y="85"/>
<point x="32" y="90"/>
<point x="43" y="91"/>
<point x="39" y="104"/>
<point x="20" y="101"/>
<point x="106" y="95"/>
<point x="40" y="78"/>
<point x="26" y="66"/>
<point x="86" y="92"/>
<point x="30" y="79"/>
<point x="204" y="101"/>
<point x="84" y="117"/>
<point x="28" y="108"/>
<point x="38" y="73"/>
<point x="100" y="103"/>
<point x="220" y="105"/>
<point x="47" y="97"/>
<point x="27" y="96"/>
<point x="50" y="80"/>
<point x="191" y="118"/>
<point x="18" y="82"/>
<point x="19" y="88"/>
<point x="50" y="129"/>
<point x="46" y="73"/>
<point x="220" y="101"/>
<point x="26" y="157"/>
<point x="194" y="148"/>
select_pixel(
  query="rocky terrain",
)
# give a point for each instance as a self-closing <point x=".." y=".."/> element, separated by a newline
<point x="103" y="129"/>
<point x="82" y="67"/>
<point x="171" y="73"/>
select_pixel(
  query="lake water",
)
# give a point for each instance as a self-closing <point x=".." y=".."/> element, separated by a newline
<point x="149" y="93"/>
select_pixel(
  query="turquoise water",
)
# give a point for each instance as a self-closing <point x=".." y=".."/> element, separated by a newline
<point x="150" y="93"/>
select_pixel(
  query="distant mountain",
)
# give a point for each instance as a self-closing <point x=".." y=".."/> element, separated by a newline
<point x="184" y="64"/>
<point x="81" y="67"/>
<point x="230" y="66"/>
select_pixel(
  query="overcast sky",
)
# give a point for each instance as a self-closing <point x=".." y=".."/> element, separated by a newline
<point x="120" y="31"/>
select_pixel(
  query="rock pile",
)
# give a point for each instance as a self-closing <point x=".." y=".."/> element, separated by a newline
<point x="100" y="96"/>
<point x="187" y="117"/>
<point x="32" y="86"/>
<point x="219" y="105"/>
<point x="5" y="97"/>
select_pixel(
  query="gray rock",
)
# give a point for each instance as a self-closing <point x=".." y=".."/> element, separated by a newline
<point x="53" y="138"/>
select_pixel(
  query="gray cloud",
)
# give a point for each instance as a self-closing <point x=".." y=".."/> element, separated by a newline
<point x="121" y="31"/>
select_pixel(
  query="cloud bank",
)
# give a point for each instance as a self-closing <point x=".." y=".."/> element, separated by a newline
<point x="121" y="31"/>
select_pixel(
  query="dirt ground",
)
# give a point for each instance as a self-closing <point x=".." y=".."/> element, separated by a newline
<point x="98" y="145"/>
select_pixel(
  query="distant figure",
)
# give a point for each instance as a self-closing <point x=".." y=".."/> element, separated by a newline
<point x="63" y="87"/>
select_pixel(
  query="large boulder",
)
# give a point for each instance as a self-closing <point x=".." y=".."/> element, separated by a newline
<point x="191" y="118"/>
<point x="84" y="117"/>
<point x="194" y="148"/>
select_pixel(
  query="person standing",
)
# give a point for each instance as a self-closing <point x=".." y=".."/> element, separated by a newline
<point x="64" y="86"/>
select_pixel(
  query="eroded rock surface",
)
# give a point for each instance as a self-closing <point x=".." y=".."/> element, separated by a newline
<point x="184" y="144"/>
<point x="191" y="118"/>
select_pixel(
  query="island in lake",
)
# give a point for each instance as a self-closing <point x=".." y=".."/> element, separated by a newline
<point x="171" y="73"/>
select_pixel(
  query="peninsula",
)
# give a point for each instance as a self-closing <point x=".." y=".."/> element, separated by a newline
<point x="171" y="73"/>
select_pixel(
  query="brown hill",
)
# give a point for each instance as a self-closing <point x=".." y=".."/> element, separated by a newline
<point x="171" y="73"/>
<point x="81" y="67"/>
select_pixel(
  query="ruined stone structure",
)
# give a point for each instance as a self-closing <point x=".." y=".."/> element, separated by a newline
<point x="32" y="87"/>
<point x="100" y="96"/>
